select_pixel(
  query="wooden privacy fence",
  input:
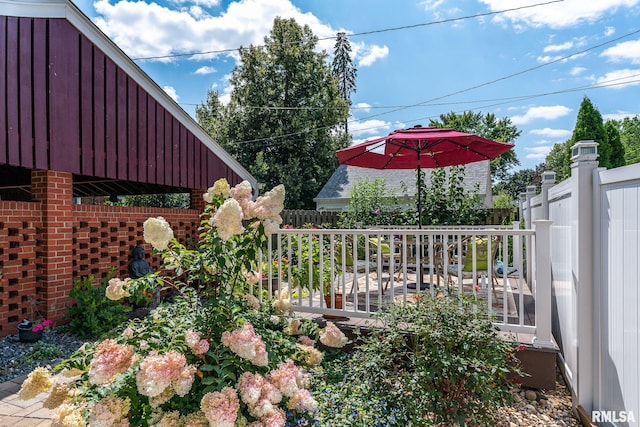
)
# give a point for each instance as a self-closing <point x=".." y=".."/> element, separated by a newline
<point x="298" y="218"/>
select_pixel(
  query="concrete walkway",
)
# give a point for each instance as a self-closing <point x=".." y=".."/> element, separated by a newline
<point x="22" y="413"/>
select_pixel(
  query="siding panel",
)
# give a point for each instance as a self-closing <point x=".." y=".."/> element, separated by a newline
<point x="86" y="106"/>
<point x="26" y="94"/>
<point x="99" y="114"/>
<point x="132" y="128"/>
<point x="40" y="91"/>
<point x="111" y="100"/>
<point x="13" y="125"/>
<point x="122" y="124"/>
<point x="3" y="90"/>
<point x="64" y="47"/>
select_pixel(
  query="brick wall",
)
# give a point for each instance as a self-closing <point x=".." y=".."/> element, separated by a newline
<point x="20" y="231"/>
<point x="47" y="244"/>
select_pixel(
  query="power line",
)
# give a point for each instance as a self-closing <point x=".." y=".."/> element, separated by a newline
<point x="364" y="33"/>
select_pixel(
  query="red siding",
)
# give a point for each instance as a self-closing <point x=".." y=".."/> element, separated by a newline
<point x="65" y="106"/>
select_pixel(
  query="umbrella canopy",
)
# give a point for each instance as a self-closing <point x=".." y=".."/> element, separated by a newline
<point x="419" y="147"/>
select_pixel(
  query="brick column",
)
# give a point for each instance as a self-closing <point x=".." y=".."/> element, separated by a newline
<point x="197" y="202"/>
<point x="55" y="191"/>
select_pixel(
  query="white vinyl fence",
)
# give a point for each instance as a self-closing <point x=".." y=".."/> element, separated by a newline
<point x="595" y="262"/>
<point x="361" y="270"/>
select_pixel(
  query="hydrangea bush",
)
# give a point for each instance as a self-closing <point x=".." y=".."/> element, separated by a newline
<point x="216" y="356"/>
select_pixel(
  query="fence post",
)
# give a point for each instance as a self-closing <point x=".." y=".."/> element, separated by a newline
<point x="529" y="249"/>
<point x="542" y="281"/>
<point x="584" y="155"/>
<point x="548" y="181"/>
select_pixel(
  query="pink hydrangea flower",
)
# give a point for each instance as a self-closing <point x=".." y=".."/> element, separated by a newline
<point x="195" y="343"/>
<point x="221" y="407"/>
<point x="302" y="401"/>
<point x="331" y="336"/>
<point x="109" y="361"/>
<point x="305" y="340"/>
<point x="157" y="371"/>
<point x="246" y="344"/>
<point x="288" y="378"/>
<point x="183" y="382"/>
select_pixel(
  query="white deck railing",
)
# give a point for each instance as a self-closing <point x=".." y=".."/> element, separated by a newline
<point x="381" y="268"/>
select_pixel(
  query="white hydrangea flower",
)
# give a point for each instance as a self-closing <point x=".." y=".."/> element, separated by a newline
<point x="158" y="233"/>
<point x="228" y="219"/>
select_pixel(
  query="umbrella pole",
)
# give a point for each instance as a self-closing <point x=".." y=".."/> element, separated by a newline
<point x="419" y="285"/>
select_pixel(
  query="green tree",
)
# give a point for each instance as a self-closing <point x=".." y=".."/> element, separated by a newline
<point x="558" y="160"/>
<point x="445" y="201"/>
<point x="344" y="70"/>
<point x="283" y="112"/>
<point x="589" y="126"/>
<point x="171" y="200"/>
<point x="629" y="129"/>
<point x="210" y="115"/>
<point x="519" y="180"/>
<point x="616" y="156"/>
<point x="487" y="126"/>
<point x="371" y="203"/>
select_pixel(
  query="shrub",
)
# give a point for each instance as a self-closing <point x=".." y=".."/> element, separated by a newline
<point x="93" y="314"/>
<point x="446" y="358"/>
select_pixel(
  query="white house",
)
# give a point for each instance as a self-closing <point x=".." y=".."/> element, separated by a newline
<point x="336" y="193"/>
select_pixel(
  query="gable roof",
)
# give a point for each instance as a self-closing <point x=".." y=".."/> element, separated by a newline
<point x="341" y="183"/>
<point x="72" y="101"/>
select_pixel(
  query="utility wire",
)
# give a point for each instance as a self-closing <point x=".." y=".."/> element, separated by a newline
<point x="364" y="33"/>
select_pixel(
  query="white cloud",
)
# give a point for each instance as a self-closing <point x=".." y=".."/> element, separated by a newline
<point x="558" y="47"/>
<point x="618" y="115"/>
<point x="556" y="15"/>
<point x="620" y="78"/>
<point x="609" y="31"/>
<point x="245" y="22"/>
<point x="546" y="112"/>
<point x="625" y="51"/>
<point x="551" y="133"/>
<point x="205" y="70"/>
<point x="373" y="128"/>
<point x="171" y="91"/>
<point x="577" y="70"/>
<point x="371" y="54"/>
<point x="363" y="106"/>
<point x="537" y="153"/>
<point x="431" y="4"/>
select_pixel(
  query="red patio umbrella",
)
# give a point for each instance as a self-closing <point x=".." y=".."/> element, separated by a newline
<point x="418" y="148"/>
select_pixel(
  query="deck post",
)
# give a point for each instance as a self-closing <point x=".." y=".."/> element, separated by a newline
<point x="548" y="181"/>
<point x="543" y="284"/>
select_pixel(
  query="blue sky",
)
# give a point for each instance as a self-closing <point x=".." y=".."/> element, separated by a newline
<point x="415" y="59"/>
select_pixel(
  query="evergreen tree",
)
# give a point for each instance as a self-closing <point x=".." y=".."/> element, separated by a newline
<point x="210" y="115"/>
<point x="283" y="111"/>
<point x="344" y="71"/>
<point x="558" y="160"/>
<point x="589" y="126"/>
<point x="616" y="156"/>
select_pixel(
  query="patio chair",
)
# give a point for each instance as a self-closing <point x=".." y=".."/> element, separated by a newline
<point x="463" y="267"/>
<point x="345" y="264"/>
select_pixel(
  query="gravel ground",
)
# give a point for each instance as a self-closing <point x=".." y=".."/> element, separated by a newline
<point x="19" y="358"/>
<point x="545" y="408"/>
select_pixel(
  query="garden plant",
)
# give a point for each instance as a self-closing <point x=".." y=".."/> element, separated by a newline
<point x="216" y="355"/>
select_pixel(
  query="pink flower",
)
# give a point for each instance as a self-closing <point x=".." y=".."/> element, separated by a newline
<point x="158" y="371"/>
<point x="221" y="407"/>
<point x="246" y="344"/>
<point x="182" y="384"/>
<point x="333" y="337"/>
<point x="109" y="361"/>
<point x="302" y="401"/>
<point x="198" y="346"/>
<point x="276" y="418"/>
<point x="305" y="340"/>
<point x="288" y="378"/>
